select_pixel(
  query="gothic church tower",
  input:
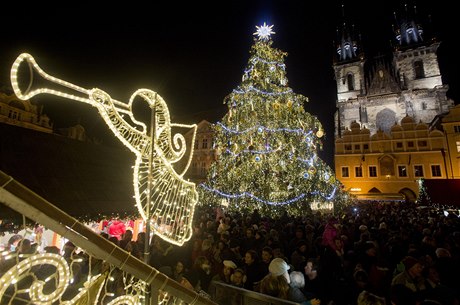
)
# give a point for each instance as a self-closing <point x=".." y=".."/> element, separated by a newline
<point x="379" y="92"/>
<point x="417" y="65"/>
<point x="349" y="75"/>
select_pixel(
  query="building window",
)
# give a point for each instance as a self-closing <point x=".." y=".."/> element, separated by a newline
<point x="372" y="171"/>
<point x="422" y="143"/>
<point x="457" y="128"/>
<point x="399" y="145"/>
<point x="13" y="114"/>
<point x="410" y="144"/>
<point x="347" y="146"/>
<point x="363" y="114"/>
<point x="458" y="146"/>
<point x="204" y="144"/>
<point x="203" y="169"/>
<point x="436" y="170"/>
<point x="418" y="69"/>
<point x="366" y="146"/>
<point x="357" y="147"/>
<point x="358" y="171"/>
<point x="387" y="167"/>
<point x="418" y="171"/>
<point x="345" y="172"/>
<point x="402" y="171"/>
<point x="350" y="82"/>
<point x="196" y="145"/>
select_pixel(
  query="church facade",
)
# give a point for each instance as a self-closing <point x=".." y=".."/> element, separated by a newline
<point x="385" y="141"/>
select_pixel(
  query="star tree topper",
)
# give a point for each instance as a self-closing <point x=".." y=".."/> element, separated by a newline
<point x="264" y="31"/>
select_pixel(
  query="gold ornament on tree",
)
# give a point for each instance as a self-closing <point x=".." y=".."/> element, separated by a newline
<point x="320" y="133"/>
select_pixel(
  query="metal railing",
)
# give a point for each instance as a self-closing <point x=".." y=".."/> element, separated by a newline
<point x="21" y="199"/>
<point x="225" y="294"/>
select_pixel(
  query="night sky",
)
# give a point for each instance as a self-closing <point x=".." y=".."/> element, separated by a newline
<point x="194" y="54"/>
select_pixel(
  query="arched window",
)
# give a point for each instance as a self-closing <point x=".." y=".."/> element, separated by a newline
<point x="350" y="82"/>
<point x="418" y="69"/>
<point x="387" y="166"/>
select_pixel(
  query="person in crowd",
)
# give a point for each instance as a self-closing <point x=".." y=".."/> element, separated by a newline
<point x="238" y="278"/>
<point x="159" y="250"/>
<point x="259" y="240"/>
<point x="233" y="254"/>
<point x="296" y="293"/>
<point x="411" y="277"/>
<point x="224" y="225"/>
<point x="314" y="286"/>
<point x="26" y="248"/>
<point x="253" y="269"/>
<point x="13" y="242"/>
<point x="276" y="283"/>
<point x="435" y="290"/>
<point x="267" y="256"/>
<point x="448" y="267"/>
<point x="299" y="235"/>
<point x="359" y="284"/>
<point x="226" y="274"/>
<point x="330" y="233"/>
<point x="200" y="275"/>
<point x="248" y="242"/>
<point x="126" y="238"/>
<point x="300" y="255"/>
<point x="132" y="248"/>
<point x="140" y="243"/>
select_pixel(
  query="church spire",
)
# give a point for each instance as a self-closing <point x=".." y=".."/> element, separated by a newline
<point x="347" y="47"/>
<point x="408" y="31"/>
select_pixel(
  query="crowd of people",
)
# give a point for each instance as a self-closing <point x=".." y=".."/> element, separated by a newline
<point x="373" y="253"/>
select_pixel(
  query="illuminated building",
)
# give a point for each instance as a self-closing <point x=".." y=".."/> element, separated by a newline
<point x="203" y="154"/>
<point x="384" y="139"/>
<point x="14" y="111"/>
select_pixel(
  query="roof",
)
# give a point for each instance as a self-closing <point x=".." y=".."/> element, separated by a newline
<point x="84" y="179"/>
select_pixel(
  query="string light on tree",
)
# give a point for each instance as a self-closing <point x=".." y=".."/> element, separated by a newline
<point x="267" y="144"/>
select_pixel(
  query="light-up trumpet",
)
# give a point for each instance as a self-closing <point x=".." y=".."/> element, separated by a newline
<point x="162" y="195"/>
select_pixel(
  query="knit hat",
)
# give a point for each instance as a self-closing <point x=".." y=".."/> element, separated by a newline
<point x="229" y="264"/>
<point x="278" y="266"/>
<point x="409" y="262"/>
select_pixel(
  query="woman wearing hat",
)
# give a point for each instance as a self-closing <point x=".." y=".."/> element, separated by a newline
<point x="412" y="276"/>
<point x="276" y="283"/>
<point x="226" y="272"/>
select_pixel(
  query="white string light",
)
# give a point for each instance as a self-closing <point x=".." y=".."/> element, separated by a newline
<point x="169" y="189"/>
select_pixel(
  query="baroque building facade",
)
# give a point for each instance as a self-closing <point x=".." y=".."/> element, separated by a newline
<point x="384" y="137"/>
<point x="14" y="111"/>
<point x="26" y="114"/>
<point x="203" y="153"/>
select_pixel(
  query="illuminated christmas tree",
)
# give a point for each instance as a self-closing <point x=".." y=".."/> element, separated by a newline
<point x="267" y="144"/>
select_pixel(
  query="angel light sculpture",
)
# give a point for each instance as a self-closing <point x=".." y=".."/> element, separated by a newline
<point x="161" y="194"/>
